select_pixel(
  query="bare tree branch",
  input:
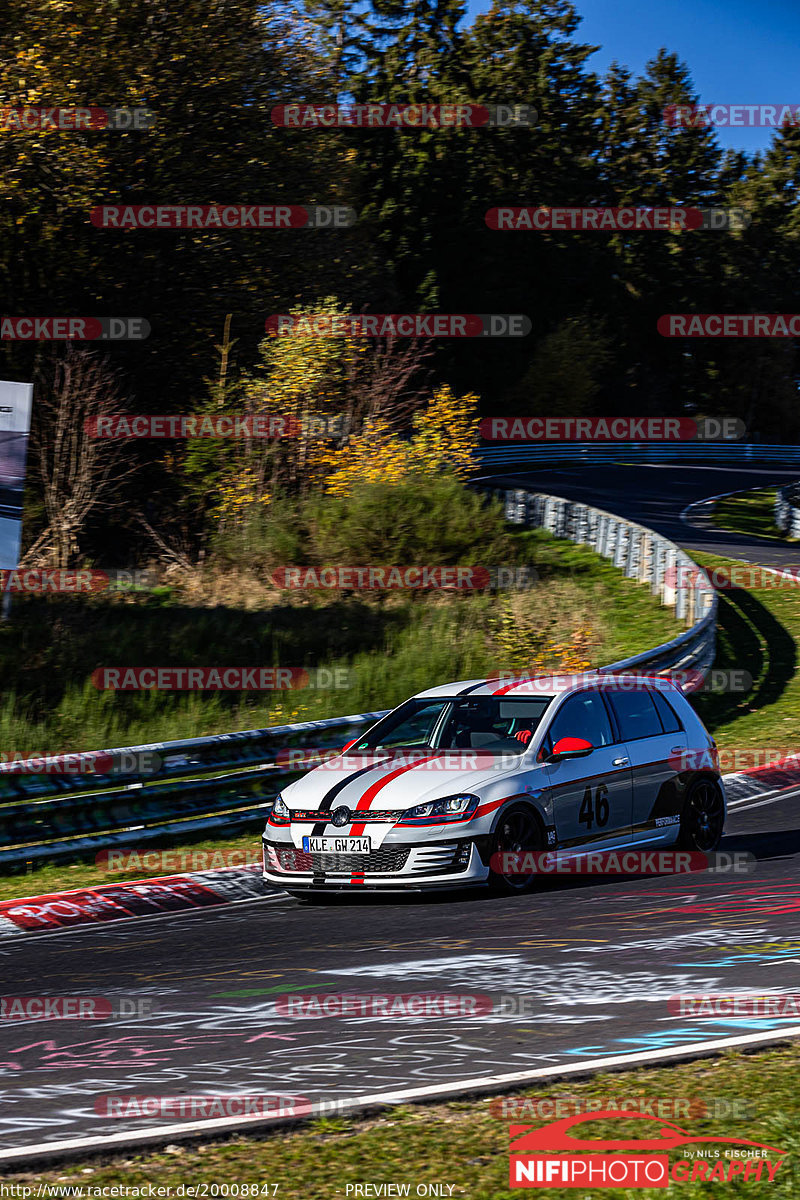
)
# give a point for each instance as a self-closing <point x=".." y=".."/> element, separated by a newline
<point x="81" y="475"/>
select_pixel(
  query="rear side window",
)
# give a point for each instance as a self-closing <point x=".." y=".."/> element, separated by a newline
<point x="636" y="714"/>
<point x="668" y="716"/>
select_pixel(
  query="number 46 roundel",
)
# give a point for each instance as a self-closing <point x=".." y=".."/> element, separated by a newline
<point x="597" y="813"/>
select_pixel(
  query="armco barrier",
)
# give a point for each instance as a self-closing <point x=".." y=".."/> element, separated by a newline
<point x="590" y="454"/>
<point x="643" y="555"/>
<point x="201" y="783"/>
<point x="230" y="780"/>
<point x="787" y="510"/>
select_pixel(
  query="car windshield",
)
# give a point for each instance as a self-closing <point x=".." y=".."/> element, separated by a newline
<point x="490" y="723"/>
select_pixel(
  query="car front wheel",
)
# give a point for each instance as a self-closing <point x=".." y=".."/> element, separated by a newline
<point x="517" y="831"/>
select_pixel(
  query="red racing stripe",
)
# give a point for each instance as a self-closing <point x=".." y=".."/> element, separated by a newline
<point x="375" y="788"/>
<point x="509" y="687"/>
<point x="490" y="806"/>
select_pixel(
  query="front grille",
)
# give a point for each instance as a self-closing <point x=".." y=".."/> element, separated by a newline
<point x="290" y="859"/>
<point x="302" y="814"/>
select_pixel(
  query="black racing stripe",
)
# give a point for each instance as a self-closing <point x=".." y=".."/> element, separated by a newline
<point x="473" y="687"/>
<point x="328" y="799"/>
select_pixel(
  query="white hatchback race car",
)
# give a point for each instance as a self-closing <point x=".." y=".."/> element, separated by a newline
<point x="437" y="792"/>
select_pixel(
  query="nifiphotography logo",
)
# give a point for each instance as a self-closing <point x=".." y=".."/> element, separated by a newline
<point x="633" y="1162"/>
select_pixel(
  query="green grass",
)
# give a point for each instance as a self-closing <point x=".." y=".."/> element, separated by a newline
<point x="757" y="631"/>
<point x="58" y="877"/>
<point x="394" y="645"/>
<point x="749" y="512"/>
<point x="464" y="1144"/>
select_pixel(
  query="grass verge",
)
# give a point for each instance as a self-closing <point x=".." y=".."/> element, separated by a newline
<point x="203" y="855"/>
<point x="758" y="631"/>
<point x="749" y="512"/>
<point x="464" y="1144"/>
<point x="391" y="646"/>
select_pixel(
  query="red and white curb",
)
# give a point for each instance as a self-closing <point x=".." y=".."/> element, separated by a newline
<point x="140" y="898"/>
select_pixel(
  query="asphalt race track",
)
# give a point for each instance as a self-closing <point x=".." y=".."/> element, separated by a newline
<point x="593" y="962"/>
<point x="656" y="496"/>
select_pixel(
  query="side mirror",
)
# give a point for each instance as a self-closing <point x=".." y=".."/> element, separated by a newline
<point x="568" y="747"/>
<point x="347" y="746"/>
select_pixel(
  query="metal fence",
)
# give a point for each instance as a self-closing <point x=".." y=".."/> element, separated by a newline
<point x="787" y="510"/>
<point x="597" y="453"/>
<point x="643" y="555"/>
<point x="230" y="780"/>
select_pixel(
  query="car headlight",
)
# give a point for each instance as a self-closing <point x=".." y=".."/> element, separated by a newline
<point x="281" y="814"/>
<point x="439" y="812"/>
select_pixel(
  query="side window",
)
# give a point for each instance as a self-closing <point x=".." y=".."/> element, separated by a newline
<point x="668" y="716"/>
<point x="583" y="716"/>
<point x="636" y="714"/>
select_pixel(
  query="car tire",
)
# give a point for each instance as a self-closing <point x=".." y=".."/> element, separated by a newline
<point x="517" y="830"/>
<point x="703" y="817"/>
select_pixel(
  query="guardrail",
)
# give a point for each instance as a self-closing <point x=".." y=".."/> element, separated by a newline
<point x="597" y="453"/>
<point x="787" y="510"/>
<point x="230" y="780"/>
<point x="643" y="555"/>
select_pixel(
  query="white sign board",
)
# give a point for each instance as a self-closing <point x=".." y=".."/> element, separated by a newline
<point x="15" y="423"/>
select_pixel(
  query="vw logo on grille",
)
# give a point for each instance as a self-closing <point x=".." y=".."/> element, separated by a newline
<point x="340" y="816"/>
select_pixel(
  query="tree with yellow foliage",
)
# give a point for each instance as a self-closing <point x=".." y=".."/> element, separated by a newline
<point x="444" y="438"/>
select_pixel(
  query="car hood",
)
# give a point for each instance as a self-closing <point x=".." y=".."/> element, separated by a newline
<point x="391" y="784"/>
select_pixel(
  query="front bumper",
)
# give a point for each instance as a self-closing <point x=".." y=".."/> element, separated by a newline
<point x="452" y="863"/>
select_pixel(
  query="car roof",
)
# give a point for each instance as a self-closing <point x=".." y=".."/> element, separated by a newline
<point x="547" y="685"/>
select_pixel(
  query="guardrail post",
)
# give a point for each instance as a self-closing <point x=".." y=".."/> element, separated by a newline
<point x="645" y="558"/>
<point x="659" y="565"/>
<point x="603" y="524"/>
<point x="669" y="591"/>
<point x="682" y="591"/>
<point x="633" y="552"/>
<point x="515" y="507"/>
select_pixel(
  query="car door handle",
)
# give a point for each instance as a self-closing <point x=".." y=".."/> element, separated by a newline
<point x="620" y="762"/>
<point x="677" y="750"/>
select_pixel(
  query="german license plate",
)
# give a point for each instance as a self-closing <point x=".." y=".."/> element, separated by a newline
<point x="337" y="845"/>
